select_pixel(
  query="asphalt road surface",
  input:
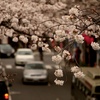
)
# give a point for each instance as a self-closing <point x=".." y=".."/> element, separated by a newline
<point x="39" y="91"/>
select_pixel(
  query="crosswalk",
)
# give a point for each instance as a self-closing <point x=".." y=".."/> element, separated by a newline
<point x="21" y="67"/>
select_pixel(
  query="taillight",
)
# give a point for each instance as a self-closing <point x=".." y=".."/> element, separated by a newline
<point x="6" y="95"/>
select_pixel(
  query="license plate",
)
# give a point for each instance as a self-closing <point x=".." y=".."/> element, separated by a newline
<point x="35" y="79"/>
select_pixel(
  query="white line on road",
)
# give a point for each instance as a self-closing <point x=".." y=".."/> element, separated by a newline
<point x="19" y="67"/>
<point x="48" y="66"/>
<point x="56" y="66"/>
<point x="9" y="66"/>
<point x="15" y="92"/>
<point x="10" y="97"/>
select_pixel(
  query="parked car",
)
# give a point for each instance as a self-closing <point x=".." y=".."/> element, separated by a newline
<point x="23" y="55"/>
<point x="35" y="72"/>
<point x="4" y="93"/>
<point x="6" y="50"/>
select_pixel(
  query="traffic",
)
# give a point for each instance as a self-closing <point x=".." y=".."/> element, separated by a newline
<point x="34" y="79"/>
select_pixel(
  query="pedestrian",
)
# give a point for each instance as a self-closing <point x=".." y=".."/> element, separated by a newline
<point x="40" y="53"/>
<point x="87" y="55"/>
<point x="93" y="54"/>
<point x="77" y="54"/>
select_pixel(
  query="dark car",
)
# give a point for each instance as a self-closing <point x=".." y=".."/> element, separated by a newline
<point x="4" y="93"/>
<point x="6" y="50"/>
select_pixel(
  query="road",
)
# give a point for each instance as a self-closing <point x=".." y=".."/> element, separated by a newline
<point x="38" y="91"/>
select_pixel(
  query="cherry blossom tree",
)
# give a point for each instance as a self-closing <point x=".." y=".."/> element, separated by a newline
<point x="37" y="21"/>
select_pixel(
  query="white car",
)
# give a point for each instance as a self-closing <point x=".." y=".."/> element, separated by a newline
<point x="35" y="72"/>
<point x="23" y="55"/>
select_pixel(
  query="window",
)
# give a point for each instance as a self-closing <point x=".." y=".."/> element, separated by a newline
<point x="24" y="52"/>
<point x="35" y="66"/>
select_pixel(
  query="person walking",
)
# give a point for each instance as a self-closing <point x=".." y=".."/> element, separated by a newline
<point x="77" y="54"/>
<point x="40" y="53"/>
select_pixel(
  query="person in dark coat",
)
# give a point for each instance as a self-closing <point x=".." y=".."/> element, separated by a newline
<point x="93" y="54"/>
<point x="40" y="53"/>
<point x="77" y="54"/>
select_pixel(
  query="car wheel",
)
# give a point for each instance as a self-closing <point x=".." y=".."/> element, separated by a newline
<point x="16" y="64"/>
<point x="23" y="81"/>
<point x="12" y="56"/>
<point x="46" y="83"/>
<point x="1" y="55"/>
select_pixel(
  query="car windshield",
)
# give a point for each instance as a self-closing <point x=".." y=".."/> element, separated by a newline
<point x="24" y="52"/>
<point x="34" y="66"/>
<point x="5" y="46"/>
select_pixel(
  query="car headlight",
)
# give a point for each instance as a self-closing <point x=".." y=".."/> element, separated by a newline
<point x="44" y="73"/>
<point x="2" y="51"/>
<point x="25" y="73"/>
<point x="13" y="50"/>
<point x="17" y="58"/>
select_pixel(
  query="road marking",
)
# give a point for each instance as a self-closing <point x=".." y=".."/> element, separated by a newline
<point x="10" y="97"/>
<point x="15" y="92"/>
<point x="56" y="66"/>
<point x="19" y="67"/>
<point x="48" y="67"/>
<point x="9" y="66"/>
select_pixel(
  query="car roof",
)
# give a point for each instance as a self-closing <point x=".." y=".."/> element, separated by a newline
<point x="24" y="49"/>
<point x="35" y="62"/>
